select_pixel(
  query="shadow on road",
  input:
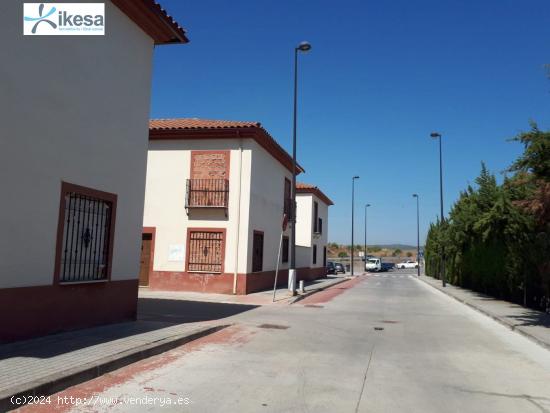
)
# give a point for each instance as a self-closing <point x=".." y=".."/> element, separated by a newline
<point x="183" y="311"/>
<point x="153" y="314"/>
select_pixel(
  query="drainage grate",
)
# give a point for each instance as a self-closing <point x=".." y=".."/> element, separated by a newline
<point x="273" y="326"/>
<point x="379" y="328"/>
<point x="314" y="306"/>
<point x="390" y="321"/>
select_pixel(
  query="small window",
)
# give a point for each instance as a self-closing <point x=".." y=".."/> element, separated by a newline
<point x="316" y="217"/>
<point x="320" y="226"/>
<point x="86" y="232"/>
<point x="287" y="198"/>
<point x="258" y="251"/>
<point x="206" y="251"/>
<point x="285" y="249"/>
<point x="314" y="254"/>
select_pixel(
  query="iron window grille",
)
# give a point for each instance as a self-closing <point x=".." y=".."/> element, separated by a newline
<point x="315" y="217"/>
<point x="87" y="238"/>
<point x="205" y="251"/>
<point x="287" y="199"/>
<point x="207" y="193"/>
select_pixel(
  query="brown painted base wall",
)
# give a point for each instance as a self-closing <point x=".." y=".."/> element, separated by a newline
<point x="223" y="283"/>
<point x="33" y="311"/>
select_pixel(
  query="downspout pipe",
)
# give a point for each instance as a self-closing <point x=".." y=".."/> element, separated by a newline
<point x="238" y="230"/>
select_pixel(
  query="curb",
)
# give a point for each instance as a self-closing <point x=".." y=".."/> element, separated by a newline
<point x="57" y="382"/>
<point x="307" y="294"/>
<point x="498" y="319"/>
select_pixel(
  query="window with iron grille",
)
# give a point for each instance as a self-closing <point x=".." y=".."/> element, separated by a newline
<point x="206" y="251"/>
<point x="285" y="249"/>
<point x="315" y="217"/>
<point x="287" y="200"/>
<point x="87" y="232"/>
<point x="207" y="193"/>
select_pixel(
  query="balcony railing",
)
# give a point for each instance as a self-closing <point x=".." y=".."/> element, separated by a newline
<point x="207" y="193"/>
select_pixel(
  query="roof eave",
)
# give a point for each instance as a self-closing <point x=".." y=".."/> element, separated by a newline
<point x="153" y="20"/>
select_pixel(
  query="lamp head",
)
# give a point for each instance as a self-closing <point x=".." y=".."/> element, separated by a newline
<point x="415" y="195"/>
<point x="356" y="177"/>
<point x="435" y="135"/>
<point x="304" y="47"/>
<point x="368" y="205"/>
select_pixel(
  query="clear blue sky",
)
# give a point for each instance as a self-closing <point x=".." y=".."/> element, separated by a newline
<point x="380" y="77"/>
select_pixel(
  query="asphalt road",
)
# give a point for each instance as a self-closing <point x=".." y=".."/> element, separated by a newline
<point x="384" y="343"/>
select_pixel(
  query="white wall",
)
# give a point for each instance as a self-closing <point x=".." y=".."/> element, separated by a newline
<point x="267" y="204"/>
<point x="304" y="219"/>
<point x="75" y="109"/>
<point x="168" y="168"/>
<point x="304" y="229"/>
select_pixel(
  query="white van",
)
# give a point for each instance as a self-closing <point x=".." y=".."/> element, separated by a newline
<point x="373" y="264"/>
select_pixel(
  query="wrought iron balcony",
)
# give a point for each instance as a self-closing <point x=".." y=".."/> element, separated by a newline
<point x="207" y="193"/>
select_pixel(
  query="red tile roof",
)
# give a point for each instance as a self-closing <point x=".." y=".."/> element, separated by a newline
<point x="302" y="188"/>
<point x="153" y="20"/>
<point x="193" y="128"/>
<point x="194" y="123"/>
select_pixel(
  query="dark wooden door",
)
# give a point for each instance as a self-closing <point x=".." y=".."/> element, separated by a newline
<point x="145" y="261"/>
<point x="258" y="252"/>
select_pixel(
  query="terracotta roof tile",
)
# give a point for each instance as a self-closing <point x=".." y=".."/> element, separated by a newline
<point x="304" y="188"/>
<point x="195" y="123"/>
<point x="194" y="128"/>
<point x="153" y="20"/>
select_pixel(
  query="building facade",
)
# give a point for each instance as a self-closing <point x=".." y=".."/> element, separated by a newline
<point x="73" y="156"/>
<point x="312" y="227"/>
<point x="216" y="195"/>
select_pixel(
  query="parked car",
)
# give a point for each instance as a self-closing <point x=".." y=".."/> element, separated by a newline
<point x="331" y="268"/>
<point x="373" y="264"/>
<point x="340" y="269"/>
<point x="407" y="264"/>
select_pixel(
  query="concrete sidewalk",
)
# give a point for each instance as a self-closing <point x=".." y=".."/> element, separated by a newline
<point x="532" y="324"/>
<point x="166" y="320"/>
<point x="282" y="296"/>
<point x="48" y="364"/>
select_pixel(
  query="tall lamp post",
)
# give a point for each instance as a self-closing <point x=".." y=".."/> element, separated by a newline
<point x="417" y="232"/>
<point x="352" y="219"/>
<point x="365" y="246"/>
<point x="302" y="47"/>
<point x="437" y="135"/>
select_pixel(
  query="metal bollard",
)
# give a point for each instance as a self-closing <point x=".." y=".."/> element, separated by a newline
<point x="302" y="287"/>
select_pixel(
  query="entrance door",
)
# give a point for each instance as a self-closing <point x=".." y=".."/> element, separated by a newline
<point x="324" y="256"/>
<point x="145" y="261"/>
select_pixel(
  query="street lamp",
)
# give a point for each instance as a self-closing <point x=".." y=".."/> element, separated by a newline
<point x="365" y="246"/>
<point x="302" y="47"/>
<point x="417" y="232"/>
<point x="437" y="135"/>
<point x="352" y="217"/>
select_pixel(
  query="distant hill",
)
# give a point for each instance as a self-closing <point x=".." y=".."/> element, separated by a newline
<point x="396" y="246"/>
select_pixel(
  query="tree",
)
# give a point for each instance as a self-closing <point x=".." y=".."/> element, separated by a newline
<point x="396" y="252"/>
<point x="342" y="254"/>
<point x="496" y="237"/>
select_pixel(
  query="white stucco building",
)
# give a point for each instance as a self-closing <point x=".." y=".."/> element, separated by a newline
<point x="311" y="225"/>
<point x="73" y="139"/>
<point x="216" y="195"/>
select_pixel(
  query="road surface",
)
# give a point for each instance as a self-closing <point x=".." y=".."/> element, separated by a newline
<point x="379" y="344"/>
